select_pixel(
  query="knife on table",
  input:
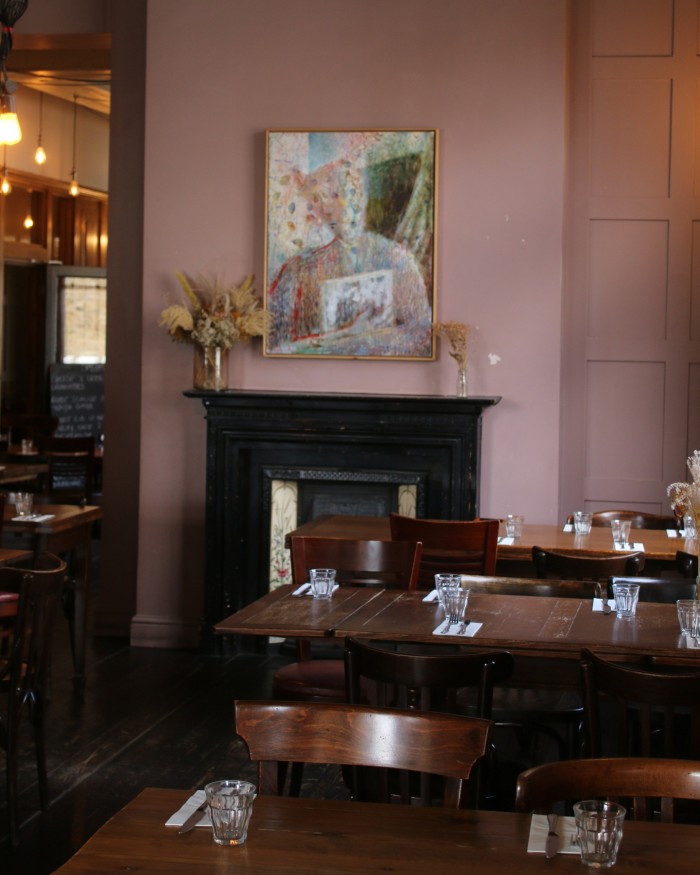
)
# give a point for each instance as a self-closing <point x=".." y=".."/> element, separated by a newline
<point x="551" y="844"/>
<point x="193" y="819"/>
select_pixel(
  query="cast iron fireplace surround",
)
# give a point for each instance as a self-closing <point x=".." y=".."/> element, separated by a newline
<point x="254" y="437"/>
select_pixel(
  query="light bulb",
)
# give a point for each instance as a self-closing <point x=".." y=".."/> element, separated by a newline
<point x="40" y="155"/>
<point x="10" y="131"/>
<point x="74" y="190"/>
<point x="28" y="222"/>
<point x="5" y="186"/>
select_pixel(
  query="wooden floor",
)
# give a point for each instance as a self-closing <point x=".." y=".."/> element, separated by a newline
<point x="149" y="718"/>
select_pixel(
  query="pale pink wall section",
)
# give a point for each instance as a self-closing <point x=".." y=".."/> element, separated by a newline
<point x="490" y="77"/>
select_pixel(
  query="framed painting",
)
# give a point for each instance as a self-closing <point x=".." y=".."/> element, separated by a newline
<point x="350" y="243"/>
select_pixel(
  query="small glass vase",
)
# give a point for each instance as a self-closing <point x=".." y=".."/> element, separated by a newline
<point x="462" y="382"/>
<point x="210" y="368"/>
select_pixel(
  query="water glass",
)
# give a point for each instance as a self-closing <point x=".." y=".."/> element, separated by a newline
<point x="27" y="446"/>
<point x="626" y="596"/>
<point x="599" y="828"/>
<point x="230" y="808"/>
<point x="514" y="525"/>
<point x="621" y="532"/>
<point x="689" y="526"/>
<point x="322" y="582"/>
<point x="689" y="617"/>
<point x="23" y="503"/>
<point x="456" y="599"/>
<point x="445" y="583"/>
<point x="582" y="522"/>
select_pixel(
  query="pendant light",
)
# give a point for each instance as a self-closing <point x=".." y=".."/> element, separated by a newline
<point x="5" y="187"/>
<point x="10" y="131"/>
<point x="74" y="190"/>
<point x="40" y="154"/>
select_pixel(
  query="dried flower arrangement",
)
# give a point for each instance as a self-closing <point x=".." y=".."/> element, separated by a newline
<point x="218" y="315"/>
<point x="456" y="334"/>
<point x="683" y="495"/>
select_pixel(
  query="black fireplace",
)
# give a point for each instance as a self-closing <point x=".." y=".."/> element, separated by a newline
<point x="347" y="453"/>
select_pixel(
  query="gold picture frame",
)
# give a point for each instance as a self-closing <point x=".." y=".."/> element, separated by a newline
<point x="350" y="241"/>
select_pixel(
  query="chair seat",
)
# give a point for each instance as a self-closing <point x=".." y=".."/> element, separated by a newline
<point x="311" y="680"/>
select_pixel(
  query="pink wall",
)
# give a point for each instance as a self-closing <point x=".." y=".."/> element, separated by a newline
<point x="490" y="77"/>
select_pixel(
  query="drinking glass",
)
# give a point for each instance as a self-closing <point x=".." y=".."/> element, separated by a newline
<point x="445" y="583"/>
<point x="599" y="828"/>
<point x="230" y="807"/>
<point x="621" y="532"/>
<point x="626" y="596"/>
<point x="23" y="503"/>
<point x="514" y="525"/>
<point x="322" y="582"/>
<point x="456" y="599"/>
<point x="688" y="616"/>
<point x="582" y="522"/>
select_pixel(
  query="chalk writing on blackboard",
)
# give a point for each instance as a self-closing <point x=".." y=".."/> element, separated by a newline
<point x="77" y="399"/>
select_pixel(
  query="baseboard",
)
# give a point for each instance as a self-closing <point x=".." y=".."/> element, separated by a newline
<point x="163" y="632"/>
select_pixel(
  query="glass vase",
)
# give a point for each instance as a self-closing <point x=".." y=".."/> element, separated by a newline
<point x="210" y="368"/>
<point x="462" y="382"/>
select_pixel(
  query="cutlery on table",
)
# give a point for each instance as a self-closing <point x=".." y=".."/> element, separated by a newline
<point x="551" y="844"/>
<point x="192" y="820"/>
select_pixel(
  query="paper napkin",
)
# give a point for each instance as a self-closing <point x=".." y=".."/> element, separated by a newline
<point x="598" y="604"/>
<point x="566" y="827"/>
<point x="188" y="808"/>
<point x="506" y="541"/>
<point x="568" y="528"/>
<point x="305" y="589"/>
<point x="636" y="546"/>
<point x="431" y="597"/>
<point x="674" y="533"/>
<point x="469" y="632"/>
<point x="33" y="518"/>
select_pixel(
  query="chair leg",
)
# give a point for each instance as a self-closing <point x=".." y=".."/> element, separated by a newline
<point x="37" y="718"/>
<point x="12" y="801"/>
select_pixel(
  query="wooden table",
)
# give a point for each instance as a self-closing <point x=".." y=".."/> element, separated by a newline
<point x="298" y="836"/>
<point x="657" y="545"/>
<point x="21" y="472"/>
<point x="68" y="531"/>
<point x="529" y="626"/>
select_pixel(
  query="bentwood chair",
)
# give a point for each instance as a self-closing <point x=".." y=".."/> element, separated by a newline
<point x="24" y="667"/>
<point x="630" y="710"/>
<point x="638" y="519"/>
<point x="359" y="563"/>
<point x="448" y="745"/>
<point x="449" y="546"/>
<point x="634" y="781"/>
<point x="661" y="590"/>
<point x="377" y="674"/>
<point x="549" y="563"/>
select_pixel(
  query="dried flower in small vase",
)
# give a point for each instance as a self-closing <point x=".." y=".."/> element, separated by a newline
<point x="456" y="334"/>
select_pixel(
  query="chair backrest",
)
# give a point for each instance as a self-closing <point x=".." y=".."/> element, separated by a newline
<point x="24" y="666"/>
<point x="554" y="588"/>
<point x="357" y="562"/>
<point x="631" y="711"/>
<point x="634" y="781"/>
<point x="71" y="473"/>
<point x="422" y="681"/>
<point x="549" y="563"/>
<point x="449" y="546"/>
<point x="687" y="563"/>
<point x="663" y="590"/>
<point x="638" y="519"/>
<point x="353" y="735"/>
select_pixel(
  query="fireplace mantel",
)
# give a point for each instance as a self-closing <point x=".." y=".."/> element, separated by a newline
<point x="434" y="441"/>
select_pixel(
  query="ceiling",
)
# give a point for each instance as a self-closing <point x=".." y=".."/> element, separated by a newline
<point x="65" y="65"/>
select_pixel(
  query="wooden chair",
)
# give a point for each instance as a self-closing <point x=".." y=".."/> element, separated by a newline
<point x="24" y="667"/>
<point x="449" y="546"/>
<point x="71" y="475"/>
<point x="386" y="563"/>
<point x="549" y="563"/>
<point x="353" y="735"/>
<point x="638" y="519"/>
<point x="662" y="590"/>
<point x="635" y="781"/>
<point x="553" y="588"/>
<point x="632" y="711"/>
<point x="378" y="674"/>
<point x="687" y="563"/>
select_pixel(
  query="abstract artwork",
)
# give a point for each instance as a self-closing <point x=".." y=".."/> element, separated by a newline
<point x="350" y="243"/>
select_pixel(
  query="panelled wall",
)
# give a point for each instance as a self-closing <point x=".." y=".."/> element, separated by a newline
<point x="632" y="284"/>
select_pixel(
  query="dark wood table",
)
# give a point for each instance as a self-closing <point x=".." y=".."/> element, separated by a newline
<point x="298" y="836"/>
<point x="657" y="544"/>
<point x="22" y="472"/>
<point x="537" y="627"/>
<point x="68" y="531"/>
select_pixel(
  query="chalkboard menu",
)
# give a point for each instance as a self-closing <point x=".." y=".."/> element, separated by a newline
<point x="77" y="398"/>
